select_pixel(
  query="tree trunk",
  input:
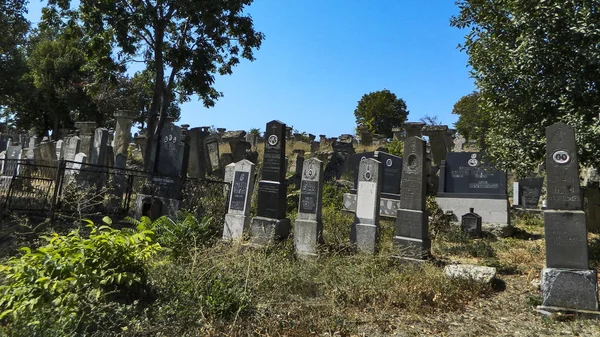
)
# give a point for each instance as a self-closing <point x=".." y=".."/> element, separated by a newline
<point x="155" y="107"/>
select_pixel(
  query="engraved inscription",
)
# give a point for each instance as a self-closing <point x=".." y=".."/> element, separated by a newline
<point x="239" y="191"/>
<point x="308" y="196"/>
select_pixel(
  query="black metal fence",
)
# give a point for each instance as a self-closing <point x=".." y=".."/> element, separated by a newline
<point x="81" y="190"/>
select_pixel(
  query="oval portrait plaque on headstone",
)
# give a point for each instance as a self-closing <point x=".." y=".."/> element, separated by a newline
<point x="561" y="157"/>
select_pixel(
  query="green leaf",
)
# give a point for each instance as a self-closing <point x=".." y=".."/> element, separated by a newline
<point x="107" y="220"/>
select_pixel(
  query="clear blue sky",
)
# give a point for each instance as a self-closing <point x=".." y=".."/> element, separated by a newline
<point x="320" y="56"/>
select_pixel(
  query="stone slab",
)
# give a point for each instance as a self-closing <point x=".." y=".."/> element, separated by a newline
<point x="307" y="236"/>
<point x="490" y="210"/>
<point x="365" y="237"/>
<point x="566" y="239"/>
<point x="265" y="231"/>
<point x="568" y="288"/>
<point x="235" y="226"/>
<point x="413" y="248"/>
<point x="469" y="271"/>
<point x="412" y="223"/>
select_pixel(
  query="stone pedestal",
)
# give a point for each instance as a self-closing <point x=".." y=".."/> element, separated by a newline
<point x="366" y="237"/>
<point x="569" y="288"/>
<point x="307" y="235"/>
<point x="122" y="136"/>
<point x="235" y="226"/>
<point x="265" y="231"/>
<point x="566" y="239"/>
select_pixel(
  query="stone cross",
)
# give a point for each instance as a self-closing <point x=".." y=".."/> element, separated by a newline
<point x="308" y="227"/>
<point x="365" y="230"/>
<point x="567" y="281"/>
<point x="237" y="219"/>
<point x="411" y="221"/>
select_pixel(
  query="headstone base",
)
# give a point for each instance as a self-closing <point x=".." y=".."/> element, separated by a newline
<point x="307" y="235"/>
<point x="154" y="207"/>
<point x="365" y="237"/>
<point x="235" y="226"/>
<point x="413" y="248"/>
<point x="265" y="231"/>
<point x="566" y="239"/>
<point x="570" y="288"/>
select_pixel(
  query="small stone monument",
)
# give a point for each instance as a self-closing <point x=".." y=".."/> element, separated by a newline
<point x="365" y="230"/>
<point x="271" y="223"/>
<point x="237" y="219"/>
<point x="308" y="228"/>
<point x="471" y="224"/>
<point x="567" y="282"/>
<point x="412" y="223"/>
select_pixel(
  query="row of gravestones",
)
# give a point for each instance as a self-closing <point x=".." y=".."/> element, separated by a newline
<point x="567" y="281"/>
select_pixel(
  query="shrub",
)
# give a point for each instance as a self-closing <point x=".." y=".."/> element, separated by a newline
<point x="68" y="285"/>
<point x="396" y="147"/>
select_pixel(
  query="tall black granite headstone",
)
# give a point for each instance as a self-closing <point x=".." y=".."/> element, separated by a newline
<point x="271" y="223"/>
<point x="567" y="281"/>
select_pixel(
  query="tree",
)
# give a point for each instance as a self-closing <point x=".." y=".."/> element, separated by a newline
<point x="184" y="43"/>
<point x="13" y="26"/>
<point x="380" y="111"/>
<point x="472" y="122"/>
<point x="535" y="63"/>
<point x="430" y="120"/>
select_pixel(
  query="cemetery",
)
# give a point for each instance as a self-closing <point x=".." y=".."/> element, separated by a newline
<point x="117" y="218"/>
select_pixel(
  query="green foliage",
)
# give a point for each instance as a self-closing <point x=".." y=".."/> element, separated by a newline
<point x="396" y="147"/>
<point x="13" y="26"/>
<point x="333" y="195"/>
<point x="180" y="235"/>
<point x="535" y="63"/>
<point x="472" y="123"/>
<point x="68" y="284"/>
<point x="380" y="111"/>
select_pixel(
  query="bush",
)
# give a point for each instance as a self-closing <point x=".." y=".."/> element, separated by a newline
<point x="396" y="147"/>
<point x="182" y="234"/>
<point x="74" y="285"/>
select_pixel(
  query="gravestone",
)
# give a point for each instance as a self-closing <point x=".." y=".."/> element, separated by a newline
<point x="530" y="190"/>
<point x="237" y="219"/>
<point x="86" y="133"/>
<point x="124" y="121"/>
<point x="465" y="182"/>
<point x="198" y="166"/>
<point x="228" y="178"/>
<point x="365" y="230"/>
<point x="13" y="155"/>
<point x="308" y="227"/>
<point x="567" y="282"/>
<point x="47" y="151"/>
<point x="59" y="149"/>
<point x="437" y="139"/>
<point x="271" y="223"/>
<point x="412" y="224"/>
<point x="99" y="147"/>
<point x="471" y="224"/>
<point x="171" y="150"/>
<point x="212" y="147"/>
<point x="413" y="129"/>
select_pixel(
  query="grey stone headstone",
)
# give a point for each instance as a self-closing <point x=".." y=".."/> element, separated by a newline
<point x="529" y="192"/>
<point x="566" y="239"/>
<point x="412" y="224"/>
<point x="59" y="149"/>
<point x="562" y="168"/>
<point x="569" y="288"/>
<point x="99" y="147"/>
<point x="471" y="224"/>
<point x="212" y="147"/>
<point x="237" y="219"/>
<point x="365" y="231"/>
<point x="80" y="158"/>
<point x="13" y="155"/>
<point x="198" y="163"/>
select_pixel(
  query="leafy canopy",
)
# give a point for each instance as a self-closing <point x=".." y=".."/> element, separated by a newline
<point x="380" y="111"/>
<point x="472" y="123"/>
<point x="535" y="63"/>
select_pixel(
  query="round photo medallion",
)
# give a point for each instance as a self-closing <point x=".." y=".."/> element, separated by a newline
<point x="273" y="140"/>
<point x="561" y="157"/>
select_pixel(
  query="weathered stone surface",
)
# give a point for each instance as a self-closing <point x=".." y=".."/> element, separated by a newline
<point x="568" y="288"/>
<point x="365" y="230"/>
<point x="237" y="219"/>
<point x="265" y="231"/>
<point x="566" y="239"/>
<point x="562" y="168"/>
<point x="468" y="271"/>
